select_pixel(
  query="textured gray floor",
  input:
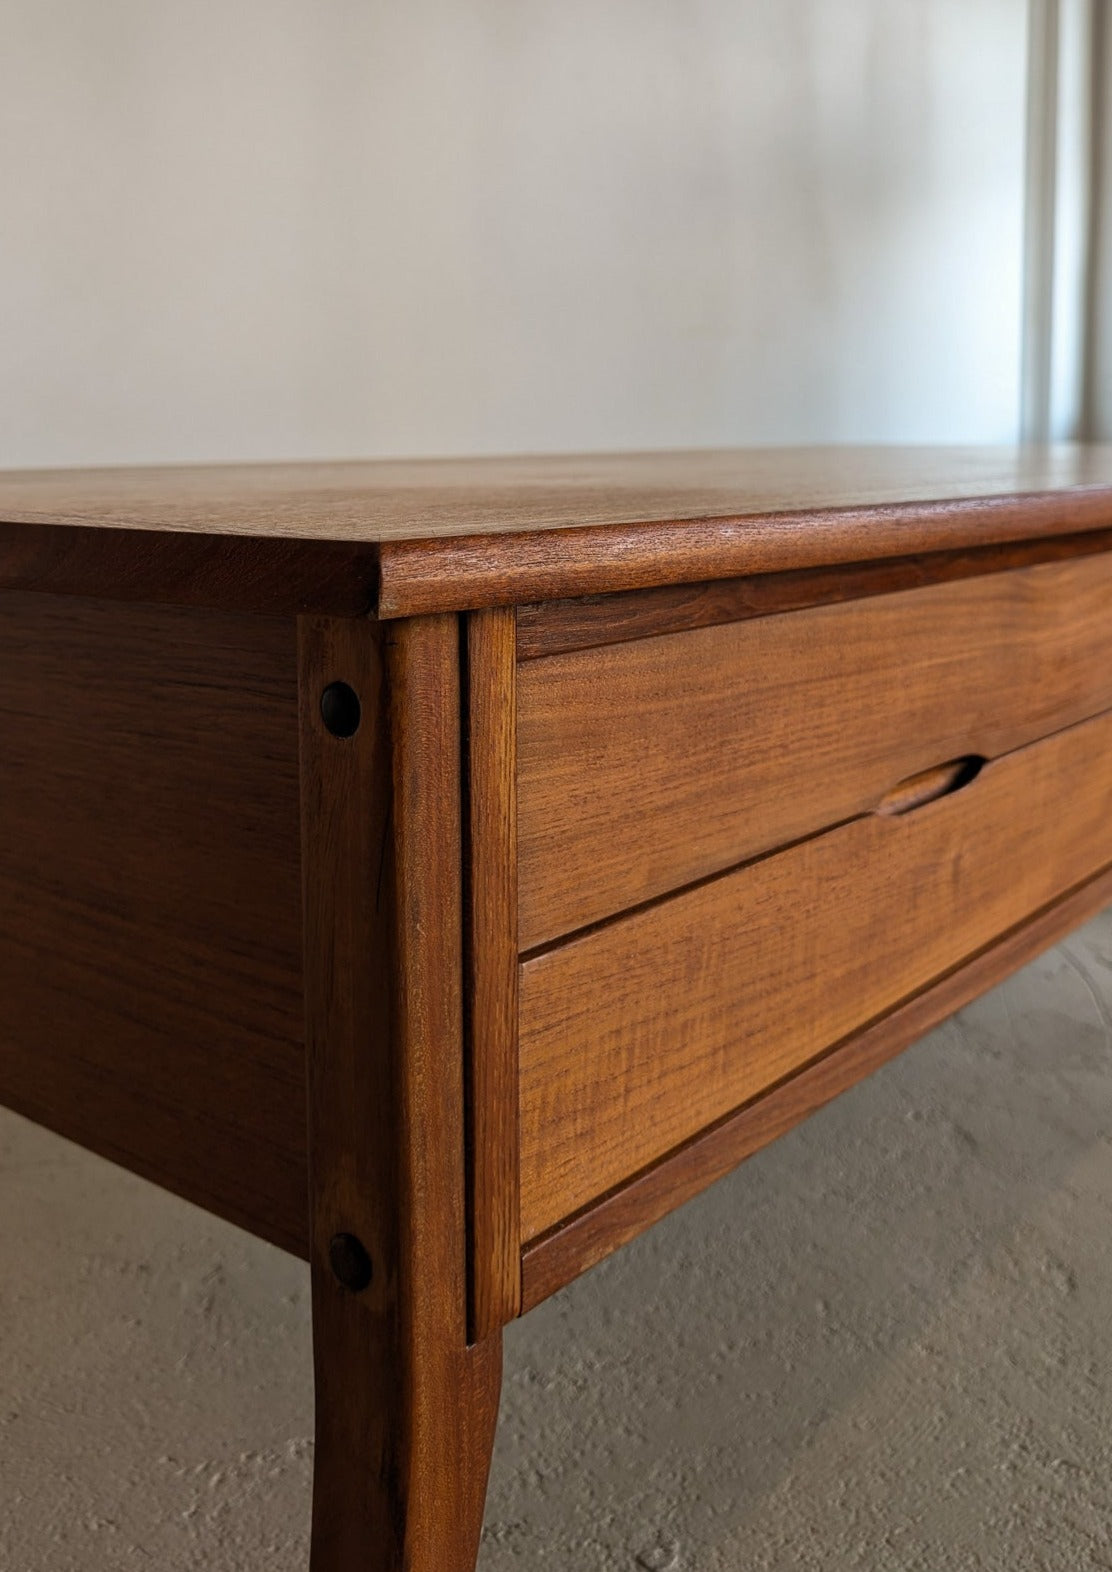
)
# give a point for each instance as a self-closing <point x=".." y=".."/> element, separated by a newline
<point x="885" y="1343"/>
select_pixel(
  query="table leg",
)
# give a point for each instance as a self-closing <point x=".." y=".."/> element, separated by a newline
<point x="406" y="1410"/>
<point x="402" y="1452"/>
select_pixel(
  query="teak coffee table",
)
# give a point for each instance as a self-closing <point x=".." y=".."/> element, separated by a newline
<point x="445" y="869"/>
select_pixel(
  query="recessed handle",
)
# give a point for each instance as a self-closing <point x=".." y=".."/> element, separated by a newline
<point x="941" y="780"/>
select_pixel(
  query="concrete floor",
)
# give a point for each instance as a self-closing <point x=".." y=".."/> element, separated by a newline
<point x="885" y="1343"/>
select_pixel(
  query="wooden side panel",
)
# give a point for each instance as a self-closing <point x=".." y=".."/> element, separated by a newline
<point x="492" y="969"/>
<point x="648" y="765"/>
<point x="150" y="931"/>
<point x="636" y="1036"/>
<point x="279" y="576"/>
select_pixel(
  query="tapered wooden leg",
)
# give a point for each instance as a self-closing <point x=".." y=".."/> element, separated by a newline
<point x="405" y="1408"/>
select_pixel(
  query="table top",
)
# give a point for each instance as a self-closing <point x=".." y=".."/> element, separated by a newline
<point x="451" y="533"/>
<point x="381" y="500"/>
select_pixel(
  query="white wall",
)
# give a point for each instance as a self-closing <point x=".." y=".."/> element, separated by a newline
<point x="324" y="227"/>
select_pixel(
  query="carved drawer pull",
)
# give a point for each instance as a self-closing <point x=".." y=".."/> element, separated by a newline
<point x="941" y="780"/>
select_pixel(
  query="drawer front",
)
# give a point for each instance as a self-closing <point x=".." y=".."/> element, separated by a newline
<point x="646" y="766"/>
<point x="639" y="1034"/>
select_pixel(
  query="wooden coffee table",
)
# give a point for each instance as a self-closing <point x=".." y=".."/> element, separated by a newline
<point x="445" y="869"/>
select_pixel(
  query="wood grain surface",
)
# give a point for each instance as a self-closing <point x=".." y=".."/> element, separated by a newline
<point x="642" y="1032"/>
<point x="405" y="1408"/>
<point x="242" y="573"/>
<point x="492" y="952"/>
<point x="427" y="499"/>
<point x="553" y="627"/>
<point x="560" y="1255"/>
<point x="648" y="765"/>
<point x="465" y="533"/>
<point x="423" y="576"/>
<point x="150" y="924"/>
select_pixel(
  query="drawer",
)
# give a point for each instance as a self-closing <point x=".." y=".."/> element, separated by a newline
<point x="644" y="1031"/>
<point x="646" y="766"/>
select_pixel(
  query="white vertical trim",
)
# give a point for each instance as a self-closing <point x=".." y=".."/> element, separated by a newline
<point x="1057" y="220"/>
<point x="1076" y="151"/>
<point x="1038" y="220"/>
<point x="1096" y="402"/>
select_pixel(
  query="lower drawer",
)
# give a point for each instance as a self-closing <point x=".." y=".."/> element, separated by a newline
<point x="642" y="1032"/>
